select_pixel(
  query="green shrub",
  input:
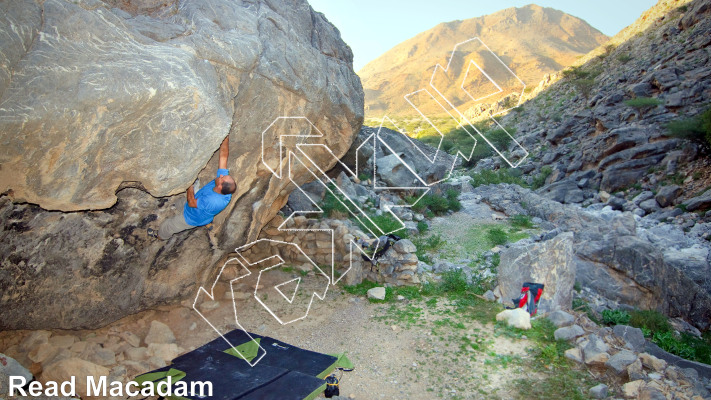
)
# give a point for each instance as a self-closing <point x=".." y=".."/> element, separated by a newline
<point x="436" y="204"/>
<point x="702" y="347"/>
<point x="384" y="223"/>
<point x="331" y="205"/>
<point x="427" y="244"/>
<point x="697" y="129"/>
<point x="497" y="236"/>
<point x="669" y="342"/>
<point x="360" y="289"/>
<point x="452" y="200"/>
<point x="495" y="261"/>
<point x="456" y="140"/>
<point x="584" y="86"/>
<point x="615" y="317"/>
<point x="624" y="58"/>
<point x="447" y="146"/>
<point x="651" y="320"/>
<point x="454" y="282"/>
<point x="706" y="124"/>
<point x="408" y="292"/>
<point x="643" y="102"/>
<point x="582" y="80"/>
<point x="540" y="179"/>
<point x="497" y="137"/>
<point x="575" y="73"/>
<point x="688" y="128"/>
<point x="521" y="221"/>
<point x="422" y="227"/>
<point x="579" y="304"/>
<point x="684" y="345"/>
<point x="488" y="177"/>
<point x="430" y="289"/>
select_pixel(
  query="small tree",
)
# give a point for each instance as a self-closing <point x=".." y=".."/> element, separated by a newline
<point x="642" y="104"/>
<point x="697" y="129"/>
<point x="582" y="80"/>
<point x="584" y="86"/>
<point x="706" y="125"/>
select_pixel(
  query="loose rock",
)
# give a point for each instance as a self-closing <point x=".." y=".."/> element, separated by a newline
<point x="74" y="367"/>
<point x="561" y="318"/>
<point x="377" y="293"/>
<point x="159" y="333"/>
<point x="619" y="362"/>
<point x="517" y="318"/>
<point x="599" y="391"/>
<point x="568" y="332"/>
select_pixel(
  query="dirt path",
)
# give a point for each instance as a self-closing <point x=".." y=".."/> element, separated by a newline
<point x="464" y="232"/>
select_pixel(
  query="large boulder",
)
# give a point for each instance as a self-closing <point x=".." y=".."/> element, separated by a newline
<point x="668" y="194"/>
<point x="565" y="191"/>
<point x="631" y="270"/>
<point x="106" y="112"/>
<point x="549" y="263"/>
<point x="389" y="151"/>
<point x="614" y="257"/>
<point x="701" y="202"/>
<point x="693" y="261"/>
<point x="624" y="168"/>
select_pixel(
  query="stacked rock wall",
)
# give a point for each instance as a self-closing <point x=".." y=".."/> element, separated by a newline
<point x="328" y="241"/>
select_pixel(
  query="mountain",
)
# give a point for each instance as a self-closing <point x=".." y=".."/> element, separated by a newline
<point x="531" y="40"/>
<point x="622" y="134"/>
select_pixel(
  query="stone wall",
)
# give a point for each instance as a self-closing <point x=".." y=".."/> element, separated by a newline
<point x="328" y="242"/>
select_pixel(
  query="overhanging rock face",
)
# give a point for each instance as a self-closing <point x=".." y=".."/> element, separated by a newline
<point x="95" y="98"/>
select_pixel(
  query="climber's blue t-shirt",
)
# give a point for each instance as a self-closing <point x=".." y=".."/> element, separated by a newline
<point x="209" y="203"/>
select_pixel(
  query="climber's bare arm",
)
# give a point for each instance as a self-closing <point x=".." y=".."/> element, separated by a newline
<point x="192" y="201"/>
<point x="224" y="153"/>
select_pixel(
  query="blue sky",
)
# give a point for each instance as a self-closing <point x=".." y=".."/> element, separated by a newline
<point x="372" y="27"/>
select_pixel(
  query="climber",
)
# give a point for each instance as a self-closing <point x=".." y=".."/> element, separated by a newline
<point x="201" y="207"/>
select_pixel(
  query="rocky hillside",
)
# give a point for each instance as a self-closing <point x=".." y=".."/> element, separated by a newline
<point x="600" y="138"/>
<point x="531" y="40"/>
<point x="109" y="110"/>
